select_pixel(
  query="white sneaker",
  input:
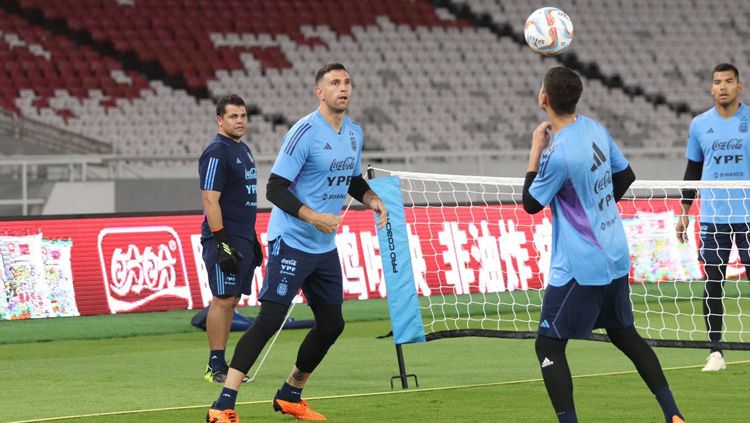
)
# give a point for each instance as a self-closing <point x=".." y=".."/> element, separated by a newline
<point x="714" y="362"/>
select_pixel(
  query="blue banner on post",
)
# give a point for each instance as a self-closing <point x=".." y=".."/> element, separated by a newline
<point x="403" y="304"/>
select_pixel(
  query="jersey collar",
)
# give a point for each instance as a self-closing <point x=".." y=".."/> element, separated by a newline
<point x="571" y="125"/>
<point x="226" y="139"/>
<point x="737" y="113"/>
<point x="328" y="125"/>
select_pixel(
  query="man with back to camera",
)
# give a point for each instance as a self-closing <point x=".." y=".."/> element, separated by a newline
<point x="718" y="149"/>
<point x="317" y="166"/>
<point x="583" y="174"/>
<point x="231" y="250"/>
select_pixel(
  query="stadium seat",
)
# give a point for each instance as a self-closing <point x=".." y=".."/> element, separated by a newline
<point x="424" y="80"/>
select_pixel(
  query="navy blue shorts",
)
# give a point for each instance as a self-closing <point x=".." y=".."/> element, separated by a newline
<point x="572" y="311"/>
<point x="224" y="284"/>
<point x="289" y="269"/>
<point x="716" y="242"/>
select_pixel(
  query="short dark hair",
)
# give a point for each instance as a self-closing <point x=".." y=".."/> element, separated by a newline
<point x="328" y="68"/>
<point x="724" y="67"/>
<point x="563" y="87"/>
<point x="233" y="99"/>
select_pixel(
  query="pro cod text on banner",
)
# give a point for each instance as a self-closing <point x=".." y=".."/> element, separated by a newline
<point x="403" y="305"/>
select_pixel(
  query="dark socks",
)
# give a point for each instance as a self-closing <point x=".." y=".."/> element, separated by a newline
<point x="713" y="304"/>
<point x="557" y="378"/>
<point x="668" y="406"/>
<point x="648" y="366"/>
<point x="568" y="417"/>
<point x="290" y="393"/>
<point x="227" y="399"/>
<point x="216" y="360"/>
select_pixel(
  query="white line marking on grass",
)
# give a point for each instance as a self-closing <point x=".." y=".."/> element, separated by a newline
<point x="366" y="394"/>
<point x="117" y="413"/>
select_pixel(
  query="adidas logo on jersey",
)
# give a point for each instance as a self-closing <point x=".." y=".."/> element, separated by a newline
<point x="544" y="324"/>
<point x="710" y="131"/>
<point x="599" y="157"/>
<point x="547" y="362"/>
<point x="327" y="147"/>
<point x="238" y="161"/>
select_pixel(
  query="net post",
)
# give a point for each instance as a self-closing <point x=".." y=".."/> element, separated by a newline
<point x="402" y="370"/>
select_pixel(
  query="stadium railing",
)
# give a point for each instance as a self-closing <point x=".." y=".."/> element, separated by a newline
<point x="18" y="131"/>
<point x="27" y="169"/>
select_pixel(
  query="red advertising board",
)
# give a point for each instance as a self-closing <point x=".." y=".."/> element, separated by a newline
<point x="149" y="263"/>
<point x="119" y="263"/>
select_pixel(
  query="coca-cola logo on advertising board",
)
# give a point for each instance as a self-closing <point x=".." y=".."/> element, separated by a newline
<point x="142" y="266"/>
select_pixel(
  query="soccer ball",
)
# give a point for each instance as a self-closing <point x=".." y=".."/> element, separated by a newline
<point x="548" y="31"/>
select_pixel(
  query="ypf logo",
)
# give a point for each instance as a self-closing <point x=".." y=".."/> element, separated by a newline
<point x="143" y="265"/>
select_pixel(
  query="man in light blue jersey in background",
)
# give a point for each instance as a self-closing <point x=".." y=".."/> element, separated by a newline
<point x="318" y="165"/>
<point x="718" y="149"/>
<point x="582" y="174"/>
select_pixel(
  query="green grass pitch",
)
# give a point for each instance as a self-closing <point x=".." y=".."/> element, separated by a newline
<point x="148" y="368"/>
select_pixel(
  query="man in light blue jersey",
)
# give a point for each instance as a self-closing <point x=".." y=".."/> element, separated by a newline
<point x="582" y="174"/>
<point x="318" y="165"/>
<point x="718" y="149"/>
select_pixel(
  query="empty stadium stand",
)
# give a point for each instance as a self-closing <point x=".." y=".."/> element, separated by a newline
<point x="141" y="75"/>
<point x="665" y="47"/>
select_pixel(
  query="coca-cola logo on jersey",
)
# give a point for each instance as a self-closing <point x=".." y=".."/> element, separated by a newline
<point x="346" y="164"/>
<point x="732" y="144"/>
<point x="143" y="269"/>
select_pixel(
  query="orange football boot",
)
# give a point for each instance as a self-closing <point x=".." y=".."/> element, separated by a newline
<point x="222" y="416"/>
<point x="300" y="410"/>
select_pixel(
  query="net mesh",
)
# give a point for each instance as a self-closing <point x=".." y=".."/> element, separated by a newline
<point x="481" y="262"/>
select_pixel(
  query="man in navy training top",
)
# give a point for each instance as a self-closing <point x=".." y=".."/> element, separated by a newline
<point x="318" y="165"/>
<point x="582" y="174"/>
<point x="718" y="149"/>
<point x="231" y="250"/>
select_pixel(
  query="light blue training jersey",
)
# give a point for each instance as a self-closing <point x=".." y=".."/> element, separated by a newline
<point x="320" y="163"/>
<point x="723" y="145"/>
<point x="575" y="175"/>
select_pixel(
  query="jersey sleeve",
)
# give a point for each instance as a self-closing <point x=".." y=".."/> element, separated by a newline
<point x="294" y="151"/>
<point x="694" y="152"/>
<point x="552" y="174"/>
<point x="618" y="162"/>
<point x="211" y="169"/>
